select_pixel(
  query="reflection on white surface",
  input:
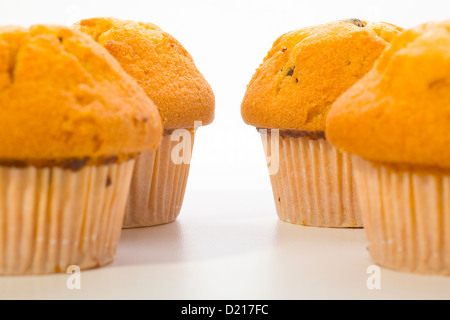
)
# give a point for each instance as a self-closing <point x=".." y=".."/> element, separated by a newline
<point x="259" y="258"/>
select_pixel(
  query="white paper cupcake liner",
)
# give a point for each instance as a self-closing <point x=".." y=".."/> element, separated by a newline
<point x="51" y="218"/>
<point x="158" y="184"/>
<point x="406" y="216"/>
<point x="313" y="185"/>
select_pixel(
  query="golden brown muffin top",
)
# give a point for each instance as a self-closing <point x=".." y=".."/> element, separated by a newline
<point x="160" y="65"/>
<point x="63" y="96"/>
<point x="306" y="70"/>
<point x="400" y="111"/>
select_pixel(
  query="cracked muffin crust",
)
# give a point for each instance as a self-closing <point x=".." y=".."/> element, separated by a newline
<point x="63" y="97"/>
<point x="160" y="64"/>
<point x="306" y="70"/>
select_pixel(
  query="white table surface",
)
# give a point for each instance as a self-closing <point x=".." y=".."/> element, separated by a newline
<point x="233" y="256"/>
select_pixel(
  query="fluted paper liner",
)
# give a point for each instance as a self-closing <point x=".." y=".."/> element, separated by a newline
<point x="406" y="216"/>
<point x="51" y="218"/>
<point x="313" y="184"/>
<point x="158" y="185"/>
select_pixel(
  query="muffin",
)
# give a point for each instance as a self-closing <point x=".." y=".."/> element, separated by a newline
<point x="288" y="99"/>
<point x="71" y="122"/>
<point x="167" y="73"/>
<point x="395" y="124"/>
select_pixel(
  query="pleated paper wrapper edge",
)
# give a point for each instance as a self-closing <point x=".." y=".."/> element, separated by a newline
<point x="52" y="218"/>
<point x="158" y="185"/>
<point x="407" y="217"/>
<point x="313" y="184"/>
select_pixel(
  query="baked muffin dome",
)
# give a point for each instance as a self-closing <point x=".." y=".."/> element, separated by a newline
<point x="306" y="70"/>
<point x="63" y="96"/>
<point x="400" y="111"/>
<point x="160" y="65"/>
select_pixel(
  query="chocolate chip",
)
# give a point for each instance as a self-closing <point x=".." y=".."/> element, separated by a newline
<point x="108" y="181"/>
<point x="13" y="163"/>
<point x="74" y="164"/>
<point x="356" y="22"/>
<point x="168" y="131"/>
<point x="290" y="72"/>
<point x="110" y="160"/>
<point x="313" y="135"/>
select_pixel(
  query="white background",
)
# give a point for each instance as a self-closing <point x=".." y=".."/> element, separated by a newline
<point x="228" y="242"/>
